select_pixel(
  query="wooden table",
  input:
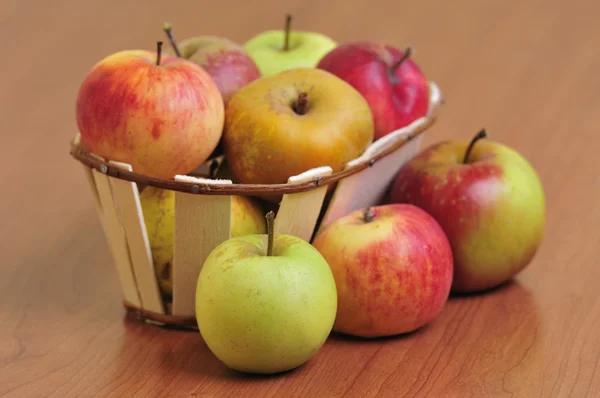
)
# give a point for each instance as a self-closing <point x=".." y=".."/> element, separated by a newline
<point x="526" y="71"/>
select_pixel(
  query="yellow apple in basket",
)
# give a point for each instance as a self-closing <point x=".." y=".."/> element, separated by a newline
<point x="264" y="303"/>
<point x="285" y="124"/>
<point x="158" y="206"/>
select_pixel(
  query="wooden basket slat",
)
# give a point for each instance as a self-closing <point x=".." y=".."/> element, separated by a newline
<point x="298" y="212"/>
<point x="89" y="176"/>
<point x="127" y="197"/>
<point x="202" y="222"/>
<point x="116" y="239"/>
<point x="368" y="187"/>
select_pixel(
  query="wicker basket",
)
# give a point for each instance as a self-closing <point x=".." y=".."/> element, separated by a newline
<point x="203" y="213"/>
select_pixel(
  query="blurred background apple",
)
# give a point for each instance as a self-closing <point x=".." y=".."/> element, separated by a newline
<point x="226" y="62"/>
<point x="278" y="50"/>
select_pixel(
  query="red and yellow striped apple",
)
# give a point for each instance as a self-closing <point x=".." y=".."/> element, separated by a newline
<point x="392" y="266"/>
<point x="489" y="201"/>
<point x="162" y="115"/>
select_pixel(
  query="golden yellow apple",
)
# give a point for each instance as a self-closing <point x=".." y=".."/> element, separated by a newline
<point x="282" y="125"/>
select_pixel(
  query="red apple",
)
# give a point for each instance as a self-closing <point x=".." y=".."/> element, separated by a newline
<point x="227" y="62"/>
<point x="489" y="201"/>
<point x="392" y="266"/>
<point x="394" y="86"/>
<point x="162" y="115"/>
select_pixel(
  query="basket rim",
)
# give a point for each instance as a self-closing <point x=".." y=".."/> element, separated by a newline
<point x="90" y="160"/>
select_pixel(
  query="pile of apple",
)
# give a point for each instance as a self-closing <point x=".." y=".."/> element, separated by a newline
<point x="460" y="216"/>
<point x="281" y="104"/>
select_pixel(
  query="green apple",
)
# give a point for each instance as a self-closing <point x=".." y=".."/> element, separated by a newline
<point x="278" y="50"/>
<point x="265" y="304"/>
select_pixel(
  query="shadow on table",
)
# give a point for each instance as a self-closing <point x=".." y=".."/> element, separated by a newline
<point x="341" y="337"/>
<point x="504" y="288"/>
<point x="183" y="352"/>
<point x="512" y="291"/>
<point x="508" y="311"/>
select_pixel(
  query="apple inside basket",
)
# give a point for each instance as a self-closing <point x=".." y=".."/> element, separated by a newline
<point x="203" y="213"/>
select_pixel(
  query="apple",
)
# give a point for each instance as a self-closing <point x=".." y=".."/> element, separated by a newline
<point x="162" y="115"/>
<point x="226" y="62"/>
<point x="158" y="208"/>
<point x="285" y="124"/>
<point x="278" y="50"/>
<point x="489" y="201"/>
<point x="264" y="303"/>
<point x="394" y="86"/>
<point x="392" y="266"/>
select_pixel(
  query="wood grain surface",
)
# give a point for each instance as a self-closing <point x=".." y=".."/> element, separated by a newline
<point x="527" y="71"/>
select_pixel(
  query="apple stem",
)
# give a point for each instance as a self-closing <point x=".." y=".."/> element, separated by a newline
<point x="270" y="233"/>
<point x="288" y="24"/>
<point x="368" y="215"/>
<point x="168" y="28"/>
<point x="158" y="52"/>
<point x="301" y="105"/>
<point x="407" y="53"/>
<point x="480" y="135"/>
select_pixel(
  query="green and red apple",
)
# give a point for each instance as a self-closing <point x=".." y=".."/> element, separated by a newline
<point x="162" y="115"/>
<point x="489" y="201"/>
<point x="393" y="84"/>
<point x="285" y="124"/>
<point x="158" y="208"/>
<point x="277" y="50"/>
<point x="264" y="303"/>
<point x="392" y="266"/>
<point x="227" y="62"/>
